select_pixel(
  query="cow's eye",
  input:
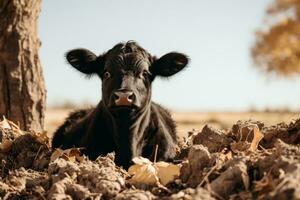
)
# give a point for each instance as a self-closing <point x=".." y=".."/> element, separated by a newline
<point x="107" y="75"/>
<point x="144" y="74"/>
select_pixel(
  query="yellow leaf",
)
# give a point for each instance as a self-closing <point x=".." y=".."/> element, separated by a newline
<point x="146" y="172"/>
<point x="257" y="136"/>
<point x="167" y="172"/>
<point x="56" y="154"/>
<point x="143" y="174"/>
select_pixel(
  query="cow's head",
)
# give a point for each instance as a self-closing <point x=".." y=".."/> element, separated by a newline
<point x="127" y="71"/>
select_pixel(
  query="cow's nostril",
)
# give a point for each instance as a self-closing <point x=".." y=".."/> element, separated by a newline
<point x="130" y="97"/>
<point x="116" y="96"/>
<point x="123" y="98"/>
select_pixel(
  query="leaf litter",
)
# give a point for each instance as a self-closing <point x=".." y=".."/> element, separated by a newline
<point x="249" y="161"/>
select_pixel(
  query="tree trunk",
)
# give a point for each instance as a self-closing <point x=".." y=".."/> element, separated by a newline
<point x="22" y="90"/>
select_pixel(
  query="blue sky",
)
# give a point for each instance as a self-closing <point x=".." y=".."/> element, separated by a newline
<point x="217" y="36"/>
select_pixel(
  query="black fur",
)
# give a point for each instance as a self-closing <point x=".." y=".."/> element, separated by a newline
<point x="131" y="130"/>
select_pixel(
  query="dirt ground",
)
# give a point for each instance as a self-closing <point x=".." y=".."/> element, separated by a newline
<point x="187" y="121"/>
<point x="236" y="159"/>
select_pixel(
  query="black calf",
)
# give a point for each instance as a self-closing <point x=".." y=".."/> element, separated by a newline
<point x="126" y="120"/>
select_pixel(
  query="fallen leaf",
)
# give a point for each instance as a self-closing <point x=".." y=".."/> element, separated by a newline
<point x="167" y="172"/>
<point x="239" y="146"/>
<point x="4" y="124"/>
<point x="141" y="160"/>
<point x="146" y="172"/>
<point x="72" y="155"/>
<point x="56" y="154"/>
<point x="5" y="145"/>
<point x="41" y="138"/>
<point x="243" y="144"/>
<point x="245" y="179"/>
<point x="257" y="136"/>
<point x="15" y="127"/>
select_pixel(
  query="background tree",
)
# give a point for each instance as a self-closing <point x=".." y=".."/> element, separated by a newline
<point x="277" y="47"/>
<point x="22" y="91"/>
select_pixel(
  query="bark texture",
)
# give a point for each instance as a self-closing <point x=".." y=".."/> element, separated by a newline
<point x="22" y="90"/>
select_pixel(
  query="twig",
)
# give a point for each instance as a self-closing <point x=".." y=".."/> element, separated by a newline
<point x="155" y="153"/>
<point x="3" y="167"/>
<point x="37" y="153"/>
<point x="41" y="195"/>
<point x="207" y="175"/>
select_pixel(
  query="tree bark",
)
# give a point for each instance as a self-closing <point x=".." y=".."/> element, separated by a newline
<point x="22" y="90"/>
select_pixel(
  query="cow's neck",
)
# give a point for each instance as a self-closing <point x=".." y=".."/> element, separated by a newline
<point x="129" y="129"/>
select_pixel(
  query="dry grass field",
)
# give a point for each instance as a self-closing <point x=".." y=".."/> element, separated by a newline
<point x="187" y="121"/>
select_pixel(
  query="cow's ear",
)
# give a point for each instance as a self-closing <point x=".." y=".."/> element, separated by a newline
<point x="85" y="61"/>
<point x="169" y="64"/>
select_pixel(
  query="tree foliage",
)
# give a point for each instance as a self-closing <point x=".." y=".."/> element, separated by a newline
<point x="277" y="47"/>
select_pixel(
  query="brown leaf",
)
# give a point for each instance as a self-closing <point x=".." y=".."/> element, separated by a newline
<point x="245" y="179"/>
<point x="72" y="155"/>
<point x="167" y="172"/>
<point x="239" y="146"/>
<point x="5" y="145"/>
<point x="257" y="136"/>
<point x="146" y="172"/>
<point x="41" y="138"/>
<point x="6" y="124"/>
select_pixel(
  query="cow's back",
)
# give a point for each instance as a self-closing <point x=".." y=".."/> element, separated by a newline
<point x="72" y="131"/>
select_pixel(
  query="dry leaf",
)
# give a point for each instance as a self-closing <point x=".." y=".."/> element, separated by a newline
<point x="245" y="179"/>
<point x="239" y="146"/>
<point x="41" y="138"/>
<point x="257" y="136"/>
<point x="72" y="155"/>
<point x="146" y="172"/>
<point x="56" y="154"/>
<point x="167" y="172"/>
<point x="243" y="144"/>
<point x="4" y="124"/>
<point x="141" y="160"/>
<point x="15" y="127"/>
<point x="5" y="145"/>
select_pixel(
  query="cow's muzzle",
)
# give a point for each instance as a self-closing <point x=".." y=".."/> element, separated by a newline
<point x="123" y="97"/>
